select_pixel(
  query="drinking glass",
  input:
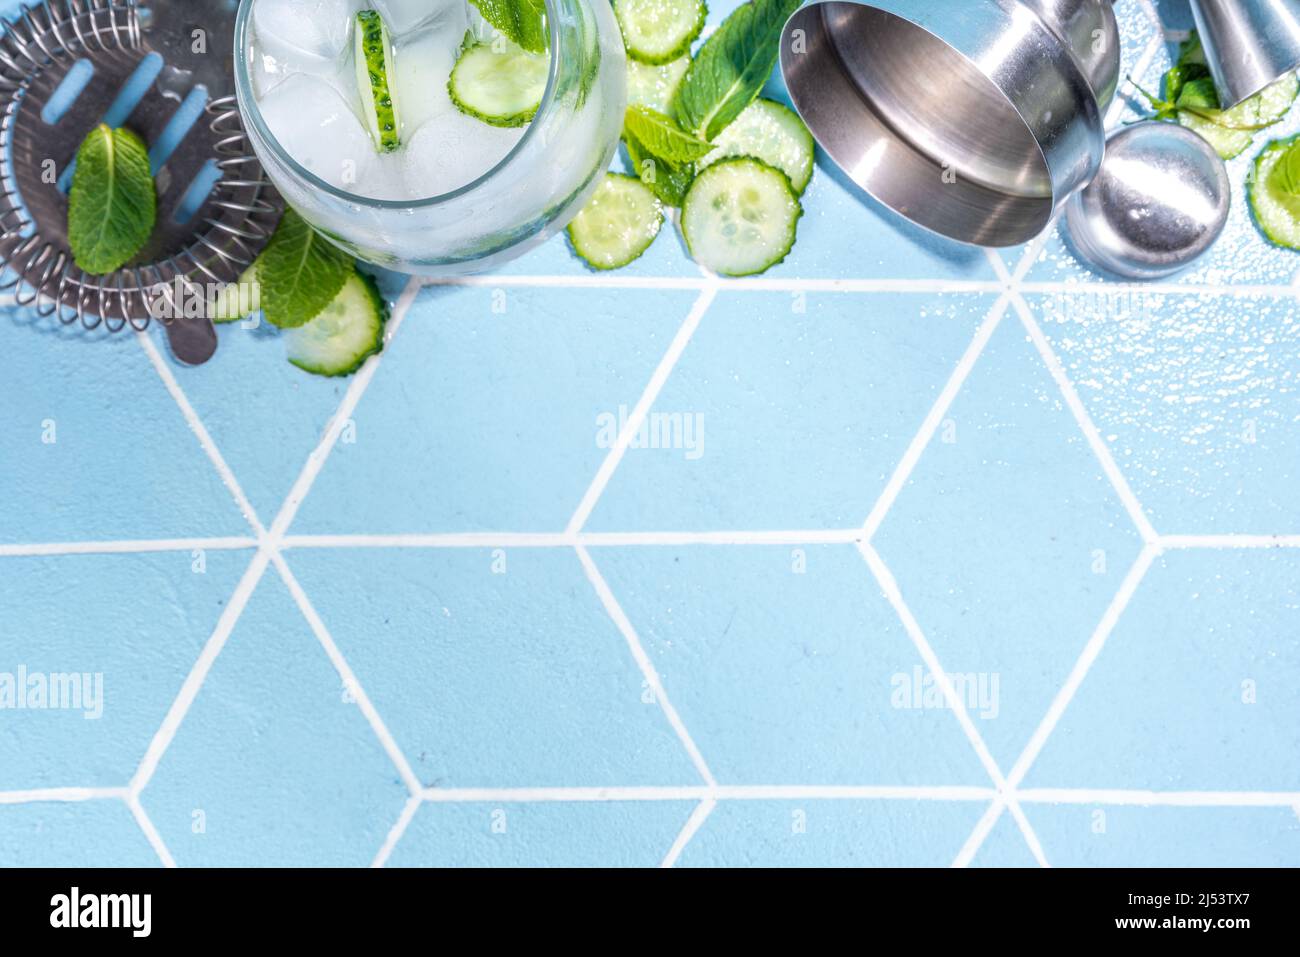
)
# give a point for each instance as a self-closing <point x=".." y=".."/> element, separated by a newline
<point x="526" y="198"/>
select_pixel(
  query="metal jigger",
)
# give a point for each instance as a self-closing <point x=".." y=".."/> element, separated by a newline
<point x="1248" y="43"/>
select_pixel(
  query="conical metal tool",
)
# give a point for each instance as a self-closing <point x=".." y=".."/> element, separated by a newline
<point x="1248" y="43"/>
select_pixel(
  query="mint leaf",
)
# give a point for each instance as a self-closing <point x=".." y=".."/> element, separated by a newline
<point x="299" y="272"/>
<point x="113" y="205"/>
<point x="1192" y="52"/>
<point x="1180" y="77"/>
<point x="1183" y="79"/>
<point x="668" y="181"/>
<point x="1198" y="94"/>
<point x="522" y="21"/>
<point x="1285" y="176"/>
<point x="731" y="67"/>
<point x="661" y="136"/>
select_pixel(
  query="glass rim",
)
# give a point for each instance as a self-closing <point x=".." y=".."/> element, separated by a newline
<point x="252" y="116"/>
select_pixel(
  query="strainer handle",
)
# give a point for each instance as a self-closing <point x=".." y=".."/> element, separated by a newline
<point x="193" y="341"/>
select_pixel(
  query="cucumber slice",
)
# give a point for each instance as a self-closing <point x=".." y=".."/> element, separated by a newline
<point x="499" y="83"/>
<point x="375" y="68"/>
<point x="1227" y="143"/>
<point x="655" y="86"/>
<point x="239" y="299"/>
<point x="1277" y="214"/>
<point x="739" y="217"/>
<point x="1263" y="109"/>
<point x="349" y="331"/>
<point x="771" y="132"/>
<point x="1273" y="102"/>
<point x="618" y="224"/>
<point x="659" y="31"/>
<point x="1231" y="131"/>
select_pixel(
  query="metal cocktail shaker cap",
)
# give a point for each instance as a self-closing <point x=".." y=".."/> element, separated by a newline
<point x="1248" y="43"/>
<point x="973" y="118"/>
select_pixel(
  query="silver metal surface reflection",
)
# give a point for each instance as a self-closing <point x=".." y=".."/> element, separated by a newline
<point x="1159" y="202"/>
<point x="975" y="119"/>
<point x="1248" y="43"/>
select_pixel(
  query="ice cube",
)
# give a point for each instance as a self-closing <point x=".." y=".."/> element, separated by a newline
<point x="304" y="34"/>
<point x="403" y="16"/>
<point x="316" y="127"/>
<point x="451" y="150"/>
<point x="267" y="72"/>
<point x="385" y="178"/>
<point x="424" y="62"/>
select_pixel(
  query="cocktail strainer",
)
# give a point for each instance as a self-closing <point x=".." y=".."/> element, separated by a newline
<point x="163" y="69"/>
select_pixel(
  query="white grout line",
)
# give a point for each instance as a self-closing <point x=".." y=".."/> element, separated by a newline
<point x="647" y="667"/>
<point x="200" y="431"/>
<point x="1152" y="14"/>
<point x="133" y="547"/>
<point x="648" y="398"/>
<point x="1153" y="47"/>
<point x="151" y="834"/>
<point x="396" y="831"/>
<point x="38" y="795"/>
<point x="798" y="536"/>
<point x="1229" y="541"/>
<point x="999" y="267"/>
<point x="1031" y="256"/>
<point x="356" y="389"/>
<point x="760" y="792"/>
<point x="1079" y="286"/>
<point x="1062" y="701"/>
<point x="812" y="536"/>
<point x="724" y="284"/>
<point x="1087" y="657"/>
<point x="893" y="594"/>
<point x="718" y="792"/>
<point x="907" y="464"/>
<point x="350" y="680"/>
<point x="1157" y="289"/>
<point x="194" y="680"/>
<point x="1098" y="445"/>
<point x="1027" y="831"/>
<point x="889" y="586"/>
<point x="692" y="826"/>
<point x="977" y="835"/>
<point x="1121" y="796"/>
<point x="432" y="540"/>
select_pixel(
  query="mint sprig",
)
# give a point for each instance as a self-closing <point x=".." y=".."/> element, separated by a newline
<point x="1198" y="94"/>
<point x="731" y="67"/>
<point x="661" y="135"/>
<point x="299" y="272"/>
<point x="521" y="21"/>
<point x="667" y="180"/>
<point x="113" y="205"/>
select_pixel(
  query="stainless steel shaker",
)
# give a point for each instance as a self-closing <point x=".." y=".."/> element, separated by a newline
<point x="974" y="118"/>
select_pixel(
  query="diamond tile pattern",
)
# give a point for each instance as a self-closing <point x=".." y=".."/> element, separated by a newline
<point x="1008" y="541"/>
<point x="901" y="554"/>
<point x="234" y="788"/>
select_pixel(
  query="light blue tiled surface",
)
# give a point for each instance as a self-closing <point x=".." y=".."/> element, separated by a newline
<point x="477" y="635"/>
